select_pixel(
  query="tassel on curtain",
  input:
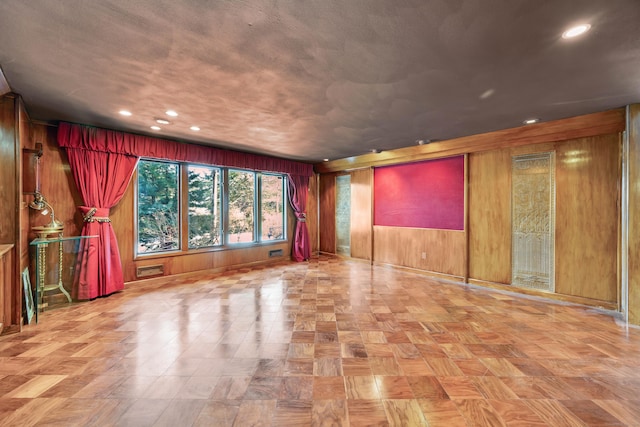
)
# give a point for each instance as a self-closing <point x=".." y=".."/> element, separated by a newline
<point x="102" y="178"/>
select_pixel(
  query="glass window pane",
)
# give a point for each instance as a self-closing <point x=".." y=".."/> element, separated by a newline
<point x="158" y="213"/>
<point x="241" y="206"/>
<point x="205" y="202"/>
<point x="272" y="210"/>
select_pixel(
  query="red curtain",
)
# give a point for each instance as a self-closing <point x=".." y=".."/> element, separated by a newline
<point x="111" y="141"/>
<point x="298" y="189"/>
<point x="102" y="178"/>
<point x="102" y="162"/>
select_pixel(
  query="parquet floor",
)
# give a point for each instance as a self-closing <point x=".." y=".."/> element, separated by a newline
<point x="324" y="343"/>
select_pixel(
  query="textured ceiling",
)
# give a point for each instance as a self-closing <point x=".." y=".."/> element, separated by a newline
<point x="314" y="79"/>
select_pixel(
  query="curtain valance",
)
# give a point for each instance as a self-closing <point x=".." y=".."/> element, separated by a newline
<point x="109" y="141"/>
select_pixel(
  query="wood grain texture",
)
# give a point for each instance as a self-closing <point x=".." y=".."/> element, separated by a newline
<point x="8" y="190"/>
<point x="602" y="123"/>
<point x="444" y="249"/>
<point x="327" y="226"/>
<point x="490" y="216"/>
<point x="221" y="349"/>
<point x="634" y="214"/>
<point x="587" y="217"/>
<point x="6" y="277"/>
<point x="24" y="138"/>
<point x="312" y="213"/>
<point x="57" y="183"/>
<point x="361" y="208"/>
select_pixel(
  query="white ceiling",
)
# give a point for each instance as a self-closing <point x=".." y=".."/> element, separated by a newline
<point x="314" y="79"/>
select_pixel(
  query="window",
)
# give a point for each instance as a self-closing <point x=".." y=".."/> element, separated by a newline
<point x="241" y="206"/>
<point x="272" y="207"/>
<point x="158" y="213"/>
<point x="205" y="206"/>
<point x="220" y="207"/>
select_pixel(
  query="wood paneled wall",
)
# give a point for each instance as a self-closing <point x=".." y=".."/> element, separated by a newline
<point x="312" y="213"/>
<point x="603" y="123"/>
<point x="587" y="206"/>
<point x="14" y="125"/>
<point x="361" y="213"/>
<point x="443" y="250"/>
<point x="587" y="217"/>
<point x="8" y="174"/>
<point x="327" y="226"/>
<point x="634" y="214"/>
<point x="489" y="214"/>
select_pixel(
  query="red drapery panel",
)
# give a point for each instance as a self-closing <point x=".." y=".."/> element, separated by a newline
<point x="110" y="141"/>
<point x="102" y="179"/>
<point x="298" y="189"/>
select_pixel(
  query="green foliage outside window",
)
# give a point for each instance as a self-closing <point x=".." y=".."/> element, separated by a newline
<point x="205" y="203"/>
<point x="252" y="211"/>
<point x="158" y="207"/>
<point x="241" y="203"/>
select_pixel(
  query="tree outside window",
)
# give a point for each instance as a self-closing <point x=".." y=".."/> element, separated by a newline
<point x="205" y="206"/>
<point x="158" y="212"/>
<point x="272" y="209"/>
<point x="241" y="206"/>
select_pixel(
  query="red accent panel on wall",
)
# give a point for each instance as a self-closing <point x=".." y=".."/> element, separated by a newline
<point x="427" y="194"/>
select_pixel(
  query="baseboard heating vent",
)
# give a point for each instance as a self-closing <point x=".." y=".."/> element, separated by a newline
<point x="150" y="270"/>
<point x="275" y="253"/>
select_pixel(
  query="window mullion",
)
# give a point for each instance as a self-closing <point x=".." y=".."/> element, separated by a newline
<point x="225" y="206"/>
<point x="183" y="190"/>
<point x="257" y="208"/>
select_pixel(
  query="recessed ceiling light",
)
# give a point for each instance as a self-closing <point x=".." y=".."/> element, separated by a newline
<point x="125" y="112"/>
<point x="325" y="160"/>
<point x="530" y="121"/>
<point x="156" y="127"/>
<point x="576" y="31"/>
<point x="194" y="128"/>
<point x="171" y="113"/>
<point x="163" y="121"/>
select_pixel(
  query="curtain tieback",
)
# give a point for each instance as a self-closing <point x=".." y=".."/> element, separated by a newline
<point x="89" y="214"/>
<point x="301" y="217"/>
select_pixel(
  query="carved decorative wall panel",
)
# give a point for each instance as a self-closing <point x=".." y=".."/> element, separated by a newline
<point x="533" y="219"/>
<point x="343" y="214"/>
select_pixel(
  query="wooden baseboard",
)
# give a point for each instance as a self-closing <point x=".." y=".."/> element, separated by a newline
<point x="550" y="295"/>
<point x="429" y="273"/>
<point x="11" y="329"/>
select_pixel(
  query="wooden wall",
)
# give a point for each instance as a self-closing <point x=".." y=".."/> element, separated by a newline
<point x="489" y="213"/>
<point x="14" y="135"/>
<point x="634" y="214"/>
<point x="443" y="250"/>
<point x="361" y="213"/>
<point x="587" y="207"/>
<point x="312" y="213"/>
<point x="587" y="215"/>
<point x="327" y="202"/>
<point x="9" y="147"/>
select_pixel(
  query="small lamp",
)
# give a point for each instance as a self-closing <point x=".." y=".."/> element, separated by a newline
<point x="39" y="203"/>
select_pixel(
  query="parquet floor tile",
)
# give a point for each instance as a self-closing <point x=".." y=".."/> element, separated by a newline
<point x="329" y="342"/>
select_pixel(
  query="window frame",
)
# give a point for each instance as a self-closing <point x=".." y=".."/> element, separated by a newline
<point x="179" y="216"/>
<point x="185" y="171"/>
<point x="183" y="217"/>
